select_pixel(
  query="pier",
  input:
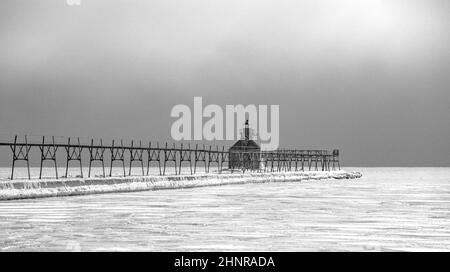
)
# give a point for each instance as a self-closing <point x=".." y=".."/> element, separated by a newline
<point x="136" y="152"/>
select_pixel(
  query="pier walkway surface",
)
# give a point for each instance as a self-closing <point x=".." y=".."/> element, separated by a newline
<point x="19" y="189"/>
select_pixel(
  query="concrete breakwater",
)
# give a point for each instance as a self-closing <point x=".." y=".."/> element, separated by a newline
<point x="20" y="189"/>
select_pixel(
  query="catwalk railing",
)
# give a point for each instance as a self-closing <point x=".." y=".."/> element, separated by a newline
<point x="145" y="155"/>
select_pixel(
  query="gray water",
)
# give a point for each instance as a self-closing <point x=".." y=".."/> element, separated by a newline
<point x="389" y="209"/>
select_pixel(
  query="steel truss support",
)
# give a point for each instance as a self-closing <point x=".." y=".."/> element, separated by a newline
<point x="73" y="153"/>
<point x="185" y="156"/>
<point x="199" y="155"/>
<point x="96" y="153"/>
<point x="20" y="153"/>
<point x="117" y="154"/>
<point x="170" y="154"/>
<point x="153" y="154"/>
<point x="224" y="157"/>
<point x="136" y="155"/>
<point x="213" y="157"/>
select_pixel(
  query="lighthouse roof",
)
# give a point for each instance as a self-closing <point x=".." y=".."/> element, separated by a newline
<point x="245" y="145"/>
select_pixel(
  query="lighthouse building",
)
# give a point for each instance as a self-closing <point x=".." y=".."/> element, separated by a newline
<point x="245" y="153"/>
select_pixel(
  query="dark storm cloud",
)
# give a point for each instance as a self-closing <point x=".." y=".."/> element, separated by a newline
<point x="370" y="77"/>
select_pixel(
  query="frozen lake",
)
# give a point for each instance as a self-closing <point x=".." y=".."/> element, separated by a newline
<point x="388" y="209"/>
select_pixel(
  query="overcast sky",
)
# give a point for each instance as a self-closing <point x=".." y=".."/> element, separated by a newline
<point x="370" y="77"/>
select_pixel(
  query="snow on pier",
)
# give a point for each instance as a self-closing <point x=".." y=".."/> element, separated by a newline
<point x="19" y="189"/>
